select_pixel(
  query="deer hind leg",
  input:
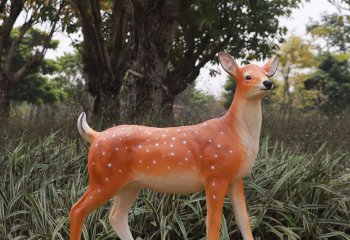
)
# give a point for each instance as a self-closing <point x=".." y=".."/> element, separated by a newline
<point x="94" y="197"/>
<point x="215" y="191"/>
<point x="118" y="217"/>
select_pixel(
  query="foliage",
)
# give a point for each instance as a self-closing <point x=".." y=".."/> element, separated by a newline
<point x="71" y="79"/>
<point x="193" y="106"/>
<point x="290" y="196"/>
<point x="22" y="47"/>
<point x="332" y="80"/>
<point x="36" y="87"/>
<point x="334" y="29"/>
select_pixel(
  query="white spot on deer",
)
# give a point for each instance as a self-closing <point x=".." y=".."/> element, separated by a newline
<point x="163" y="135"/>
<point x="168" y="167"/>
<point x="184" y="142"/>
<point x="194" y="168"/>
<point x="189" y="151"/>
<point x="147" y="167"/>
<point x="103" y="153"/>
<point x="104" y="139"/>
<point x="212" y="167"/>
<point x="184" y="134"/>
<point x="186" y="158"/>
<point x="164" y="143"/>
<point x="171" y="145"/>
<point x="157" y="144"/>
<point x="173" y="138"/>
<point x="116" y="148"/>
<point x="140" y="161"/>
<point x="180" y="163"/>
<point x="147" y="150"/>
<point x="214" y="197"/>
<point x="209" y="140"/>
<point x="106" y="179"/>
<point x="219" y="145"/>
<point x="178" y="130"/>
<point x="147" y="140"/>
<point x="196" y="132"/>
<point x="109" y="165"/>
<point x="154" y="162"/>
<point x="163" y="155"/>
<point x="126" y="147"/>
<point x="204" y="124"/>
<point x="200" y="156"/>
<point x="96" y="145"/>
<point x="139" y="146"/>
<point x="215" y="156"/>
<point x="213" y="184"/>
<point x="93" y="163"/>
<point x="221" y="132"/>
<point x="98" y="190"/>
<point x="90" y="197"/>
<point x="172" y="154"/>
<point x="230" y="151"/>
<point x="119" y="170"/>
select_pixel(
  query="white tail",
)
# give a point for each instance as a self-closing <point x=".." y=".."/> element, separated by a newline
<point x="84" y="129"/>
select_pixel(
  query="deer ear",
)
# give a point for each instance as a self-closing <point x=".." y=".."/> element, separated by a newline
<point x="271" y="66"/>
<point x="228" y="63"/>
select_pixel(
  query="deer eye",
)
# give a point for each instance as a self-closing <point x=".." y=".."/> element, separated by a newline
<point x="248" y="77"/>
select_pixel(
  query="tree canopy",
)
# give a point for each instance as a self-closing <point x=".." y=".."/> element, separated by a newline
<point x="163" y="45"/>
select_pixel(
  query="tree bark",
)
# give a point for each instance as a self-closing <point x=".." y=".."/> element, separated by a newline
<point x="154" y="24"/>
<point x="4" y="101"/>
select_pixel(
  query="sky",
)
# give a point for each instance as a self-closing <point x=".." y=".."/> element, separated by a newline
<point x="214" y="85"/>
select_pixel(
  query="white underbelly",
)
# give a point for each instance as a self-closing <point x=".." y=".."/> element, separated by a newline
<point x="179" y="184"/>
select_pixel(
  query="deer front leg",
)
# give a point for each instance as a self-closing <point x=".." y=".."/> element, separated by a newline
<point x="215" y="194"/>
<point x="236" y="195"/>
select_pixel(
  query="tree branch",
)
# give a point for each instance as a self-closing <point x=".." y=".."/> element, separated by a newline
<point x="7" y="26"/>
<point x="2" y="5"/>
<point x="14" y="45"/>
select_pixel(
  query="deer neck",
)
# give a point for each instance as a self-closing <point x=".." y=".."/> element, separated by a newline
<point x="244" y="118"/>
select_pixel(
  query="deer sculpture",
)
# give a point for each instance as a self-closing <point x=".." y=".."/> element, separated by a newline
<point x="213" y="156"/>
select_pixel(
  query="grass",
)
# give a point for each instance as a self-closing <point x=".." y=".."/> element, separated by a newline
<point x="291" y="195"/>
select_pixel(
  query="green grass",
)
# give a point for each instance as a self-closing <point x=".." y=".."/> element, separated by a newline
<point x="290" y="195"/>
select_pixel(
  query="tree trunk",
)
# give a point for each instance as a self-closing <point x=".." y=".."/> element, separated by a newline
<point x="4" y="105"/>
<point x="153" y="28"/>
<point x="5" y="99"/>
<point x="104" y="55"/>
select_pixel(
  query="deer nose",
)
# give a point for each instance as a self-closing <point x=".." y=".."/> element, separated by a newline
<point x="268" y="84"/>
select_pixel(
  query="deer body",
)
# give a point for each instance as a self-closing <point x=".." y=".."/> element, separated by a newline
<point x="213" y="156"/>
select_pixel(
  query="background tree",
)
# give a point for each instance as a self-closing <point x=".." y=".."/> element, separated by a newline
<point x="332" y="80"/>
<point x="164" y="44"/>
<point x="295" y="54"/>
<point x="13" y="41"/>
<point x="334" y="29"/>
<point x="72" y="80"/>
<point x="105" y="28"/>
